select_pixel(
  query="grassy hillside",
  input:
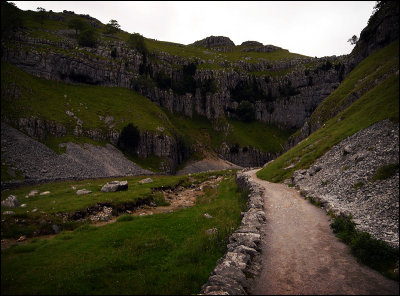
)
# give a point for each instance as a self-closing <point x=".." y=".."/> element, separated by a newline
<point x="380" y="102"/>
<point x="25" y="95"/>
<point x="156" y="254"/>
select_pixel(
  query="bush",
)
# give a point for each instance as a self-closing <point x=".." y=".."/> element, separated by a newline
<point x="129" y="138"/>
<point x="374" y="253"/>
<point x="245" y="111"/>
<point x="385" y="171"/>
<point x="136" y="41"/>
<point x="88" y="38"/>
<point x="77" y="24"/>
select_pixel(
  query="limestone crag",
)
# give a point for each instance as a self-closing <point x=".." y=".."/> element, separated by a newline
<point x="342" y="180"/>
<point x="246" y="156"/>
<point x="241" y="262"/>
<point x="67" y="61"/>
<point x="214" y="41"/>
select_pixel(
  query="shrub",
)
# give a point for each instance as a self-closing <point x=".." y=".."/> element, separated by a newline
<point x="88" y="37"/>
<point x="385" y="171"/>
<point x="129" y="138"/>
<point x="77" y="24"/>
<point x="344" y="228"/>
<point x="136" y="41"/>
<point x="234" y="148"/>
<point x="245" y="111"/>
<point x="372" y="252"/>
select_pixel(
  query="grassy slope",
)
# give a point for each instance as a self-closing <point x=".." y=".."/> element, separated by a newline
<point x="158" y="254"/>
<point x="50" y="100"/>
<point x="379" y="103"/>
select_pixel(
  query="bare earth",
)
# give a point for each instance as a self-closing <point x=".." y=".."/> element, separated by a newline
<point x="301" y="255"/>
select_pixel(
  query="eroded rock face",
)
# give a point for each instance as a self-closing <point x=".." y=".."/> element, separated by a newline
<point x="342" y="180"/>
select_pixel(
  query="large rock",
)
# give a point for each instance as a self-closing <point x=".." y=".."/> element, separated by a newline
<point x="115" y="186"/>
<point x="213" y="41"/>
<point x="11" y="202"/>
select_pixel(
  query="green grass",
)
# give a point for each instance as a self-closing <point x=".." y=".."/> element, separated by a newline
<point x="50" y="100"/>
<point x="374" y="253"/>
<point x="157" y="254"/>
<point x="379" y="103"/>
<point x="385" y="171"/>
<point x="370" y="69"/>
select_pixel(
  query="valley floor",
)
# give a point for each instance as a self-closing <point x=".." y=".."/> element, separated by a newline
<point x="301" y="255"/>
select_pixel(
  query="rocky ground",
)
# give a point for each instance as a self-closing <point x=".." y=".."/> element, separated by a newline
<point x="342" y="180"/>
<point x="38" y="162"/>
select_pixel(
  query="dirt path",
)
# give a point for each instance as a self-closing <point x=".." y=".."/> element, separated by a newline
<point x="301" y="255"/>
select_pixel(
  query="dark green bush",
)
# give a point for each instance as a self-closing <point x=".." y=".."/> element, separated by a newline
<point x="245" y="111"/>
<point x="372" y="252"/>
<point x="129" y="138"/>
<point x="385" y="171"/>
<point x="88" y="37"/>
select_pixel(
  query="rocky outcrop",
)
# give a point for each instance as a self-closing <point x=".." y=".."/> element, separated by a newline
<point x="214" y="41"/>
<point x="245" y="156"/>
<point x="342" y="180"/>
<point x="382" y="29"/>
<point x="233" y="273"/>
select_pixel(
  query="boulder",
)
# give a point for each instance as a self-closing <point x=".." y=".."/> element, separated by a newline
<point x="115" y="186"/>
<point x="147" y="180"/>
<point x="11" y="202"/>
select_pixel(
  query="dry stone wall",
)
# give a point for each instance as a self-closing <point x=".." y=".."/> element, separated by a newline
<point x="233" y="272"/>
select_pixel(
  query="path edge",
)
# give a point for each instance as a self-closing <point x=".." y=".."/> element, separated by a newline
<point x="235" y="271"/>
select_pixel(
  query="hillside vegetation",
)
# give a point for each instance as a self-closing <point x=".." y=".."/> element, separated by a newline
<point x="379" y="73"/>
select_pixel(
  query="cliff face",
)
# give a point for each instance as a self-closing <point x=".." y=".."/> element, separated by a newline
<point x="382" y="30"/>
<point x="216" y="80"/>
<point x="283" y="93"/>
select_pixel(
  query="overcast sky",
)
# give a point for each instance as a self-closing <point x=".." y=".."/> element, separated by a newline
<point x="311" y="28"/>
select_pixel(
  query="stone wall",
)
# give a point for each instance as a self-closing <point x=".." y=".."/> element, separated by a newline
<point x="242" y="260"/>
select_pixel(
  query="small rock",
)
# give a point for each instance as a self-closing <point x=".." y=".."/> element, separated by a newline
<point x="55" y="228"/>
<point x="33" y="193"/>
<point x="11" y="202"/>
<point x="23" y="206"/>
<point x="211" y="231"/>
<point x="45" y="193"/>
<point x="83" y="191"/>
<point x="21" y="238"/>
<point x="208" y="216"/>
<point x="8" y="213"/>
<point x="69" y="113"/>
<point x="34" y="210"/>
<point x="147" y="180"/>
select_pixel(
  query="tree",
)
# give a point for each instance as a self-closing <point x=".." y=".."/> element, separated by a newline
<point x="41" y="15"/>
<point x="112" y="27"/>
<point x="77" y="24"/>
<point x="137" y="41"/>
<point x="129" y="138"/>
<point x="353" y="40"/>
<point x="245" y="111"/>
<point x="88" y="38"/>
